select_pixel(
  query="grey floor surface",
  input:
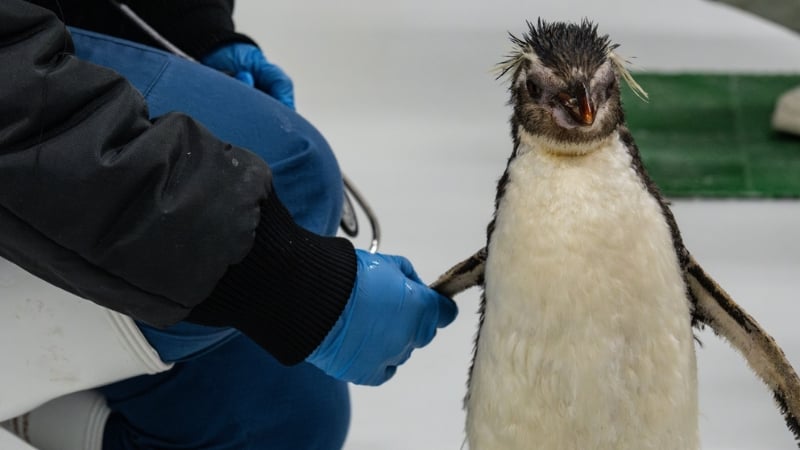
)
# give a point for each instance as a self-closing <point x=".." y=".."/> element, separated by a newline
<point x="403" y="92"/>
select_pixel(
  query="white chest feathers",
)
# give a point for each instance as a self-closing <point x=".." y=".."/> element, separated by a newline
<point x="586" y="341"/>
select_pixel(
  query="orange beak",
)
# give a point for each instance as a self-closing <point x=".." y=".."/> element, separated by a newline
<point x="580" y="106"/>
<point x="586" y="109"/>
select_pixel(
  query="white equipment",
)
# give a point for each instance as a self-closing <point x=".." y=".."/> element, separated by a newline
<point x="54" y="343"/>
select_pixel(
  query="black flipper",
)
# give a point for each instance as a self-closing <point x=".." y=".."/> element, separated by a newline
<point x="715" y="308"/>
<point x="462" y="276"/>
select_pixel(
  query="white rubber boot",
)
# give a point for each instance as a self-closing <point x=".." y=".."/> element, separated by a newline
<point x="72" y="422"/>
<point x="10" y="442"/>
<point x="786" y="117"/>
<point x="53" y="343"/>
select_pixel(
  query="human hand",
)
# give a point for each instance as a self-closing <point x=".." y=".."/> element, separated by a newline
<point x="247" y="63"/>
<point x="390" y="313"/>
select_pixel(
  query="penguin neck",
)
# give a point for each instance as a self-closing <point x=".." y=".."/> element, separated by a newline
<point x="552" y="147"/>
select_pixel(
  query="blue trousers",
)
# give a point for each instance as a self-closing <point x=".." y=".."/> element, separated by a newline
<point x="224" y="391"/>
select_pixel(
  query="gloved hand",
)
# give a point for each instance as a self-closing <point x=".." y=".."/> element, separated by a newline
<point x="390" y="313"/>
<point x="247" y="63"/>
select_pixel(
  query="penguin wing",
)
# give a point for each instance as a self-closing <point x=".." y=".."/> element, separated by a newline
<point x="715" y="308"/>
<point x="462" y="276"/>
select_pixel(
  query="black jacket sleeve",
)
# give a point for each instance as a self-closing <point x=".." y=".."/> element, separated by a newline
<point x="158" y="220"/>
<point x="195" y="26"/>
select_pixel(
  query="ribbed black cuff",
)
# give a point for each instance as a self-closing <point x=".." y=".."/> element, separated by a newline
<point x="288" y="292"/>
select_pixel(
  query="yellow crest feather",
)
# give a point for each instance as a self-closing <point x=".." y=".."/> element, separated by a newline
<point x="513" y="59"/>
<point x="619" y="64"/>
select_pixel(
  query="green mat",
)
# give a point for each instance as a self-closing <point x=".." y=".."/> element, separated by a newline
<point x="710" y="136"/>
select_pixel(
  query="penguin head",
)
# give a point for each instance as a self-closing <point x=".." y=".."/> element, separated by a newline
<point x="564" y="83"/>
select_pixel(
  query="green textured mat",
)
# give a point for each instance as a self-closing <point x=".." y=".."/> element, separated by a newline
<point x="710" y="135"/>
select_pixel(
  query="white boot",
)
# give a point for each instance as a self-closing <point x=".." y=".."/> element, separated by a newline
<point x="786" y="117"/>
<point x="72" y="422"/>
<point x="53" y="343"/>
<point x="10" y="442"/>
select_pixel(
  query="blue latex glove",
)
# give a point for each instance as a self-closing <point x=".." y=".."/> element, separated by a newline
<point x="248" y="64"/>
<point x="390" y="313"/>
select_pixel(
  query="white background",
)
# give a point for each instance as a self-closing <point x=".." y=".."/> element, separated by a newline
<point x="404" y="94"/>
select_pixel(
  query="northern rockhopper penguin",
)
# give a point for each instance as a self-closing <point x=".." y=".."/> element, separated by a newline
<point x="589" y="295"/>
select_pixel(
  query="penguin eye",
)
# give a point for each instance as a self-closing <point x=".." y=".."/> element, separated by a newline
<point x="534" y="91"/>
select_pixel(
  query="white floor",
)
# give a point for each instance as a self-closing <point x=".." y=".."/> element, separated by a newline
<point x="403" y="92"/>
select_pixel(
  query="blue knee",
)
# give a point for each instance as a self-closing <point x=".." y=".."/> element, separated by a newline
<point x="306" y="174"/>
<point x="309" y="182"/>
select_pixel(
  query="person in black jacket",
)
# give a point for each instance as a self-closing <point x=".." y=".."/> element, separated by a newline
<point x="216" y="253"/>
